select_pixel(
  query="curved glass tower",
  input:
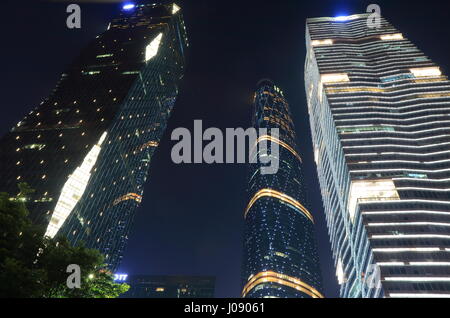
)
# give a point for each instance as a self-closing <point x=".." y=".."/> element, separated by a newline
<point x="379" y="113"/>
<point x="87" y="148"/>
<point x="280" y="256"/>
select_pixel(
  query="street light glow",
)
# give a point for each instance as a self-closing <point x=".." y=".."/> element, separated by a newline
<point x="128" y="6"/>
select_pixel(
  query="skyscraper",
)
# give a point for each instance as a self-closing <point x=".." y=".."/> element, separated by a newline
<point x="379" y="112"/>
<point x="87" y="148"/>
<point x="280" y="256"/>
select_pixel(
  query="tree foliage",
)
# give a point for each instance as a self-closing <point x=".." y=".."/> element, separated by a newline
<point x="32" y="265"/>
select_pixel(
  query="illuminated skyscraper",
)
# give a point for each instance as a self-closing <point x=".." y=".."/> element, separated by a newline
<point x="380" y="120"/>
<point x="280" y="256"/>
<point x="87" y="148"/>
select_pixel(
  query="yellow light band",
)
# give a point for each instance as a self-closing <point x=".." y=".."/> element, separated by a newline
<point x="129" y="196"/>
<point x="281" y="196"/>
<point x="285" y="280"/>
<point x="281" y="143"/>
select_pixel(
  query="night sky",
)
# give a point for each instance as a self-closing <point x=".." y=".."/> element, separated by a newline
<point x="191" y="219"/>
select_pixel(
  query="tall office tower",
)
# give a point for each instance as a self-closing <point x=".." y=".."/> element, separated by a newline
<point x="144" y="286"/>
<point x="380" y="121"/>
<point x="87" y="148"/>
<point x="280" y="256"/>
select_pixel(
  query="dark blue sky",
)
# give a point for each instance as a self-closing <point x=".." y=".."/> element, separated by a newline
<point x="191" y="218"/>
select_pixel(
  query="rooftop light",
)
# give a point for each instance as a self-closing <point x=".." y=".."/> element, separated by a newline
<point x="175" y="8"/>
<point x="342" y="18"/>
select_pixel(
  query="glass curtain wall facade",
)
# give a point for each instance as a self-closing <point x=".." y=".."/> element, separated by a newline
<point x="87" y="148"/>
<point x="280" y="256"/>
<point x="144" y="286"/>
<point x="379" y="114"/>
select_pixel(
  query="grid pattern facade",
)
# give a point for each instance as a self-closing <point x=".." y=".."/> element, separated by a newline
<point x="144" y="286"/>
<point x="280" y="256"/>
<point x="87" y="148"/>
<point x="379" y="114"/>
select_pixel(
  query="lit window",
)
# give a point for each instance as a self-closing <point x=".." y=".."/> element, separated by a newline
<point x="34" y="146"/>
<point x="322" y="42"/>
<point x="340" y="272"/>
<point x="370" y="191"/>
<point x="73" y="189"/>
<point x="426" y="71"/>
<point x="160" y="289"/>
<point x="334" y="78"/>
<point x="91" y="73"/>
<point x="104" y="55"/>
<point x="152" y="49"/>
<point x="316" y="155"/>
<point x="389" y="37"/>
